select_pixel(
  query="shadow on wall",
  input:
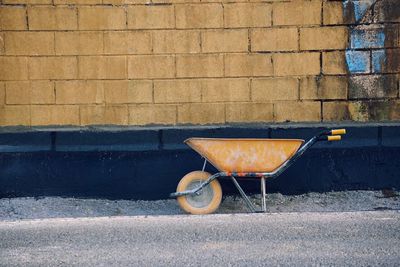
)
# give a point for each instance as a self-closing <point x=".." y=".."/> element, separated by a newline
<point x="371" y="61"/>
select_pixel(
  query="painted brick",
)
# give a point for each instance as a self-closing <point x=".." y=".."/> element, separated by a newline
<point x="98" y="67"/>
<point x="200" y="65"/>
<point x="53" y="68"/>
<point x="33" y="92"/>
<point x="104" y="115"/>
<point x="325" y="87"/>
<point x="132" y="91"/>
<point x="273" y="89"/>
<point x="52" y="18"/>
<point x="102" y="18"/>
<point x="358" y="61"/>
<point x="125" y="2"/>
<point x="177" y="91"/>
<point x="18" y="93"/>
<point x="373" y="86"/>
<point x="151" y="17"/>
<point x="387" y="11"/>
<point x="176" y="41"/>
<point x="378" y="60"/>
<point x="362" y="111"/>
<point x="132" y="42"/>
<point x="31" y="2"/>
<point x="29" y="43"/>
<point x="12" y="18"/>
<point x="78" y="43"/>
<point x="297" y="13"/>
<point x="225" y="41"/>
<point x="367" y="37"/>
<point x="201" y="113"/>
<point x="79" y="92"/>
<point x="177" y="1"/>
<point x="248" y="65"/>
<point x="13" y="68"/>
<point x="280" y="39"/>
<point x="225" y="90"/>
<point x="55" y="114"/>
<point x="336" y="111"/>
<point x="199" y="16"/>
<point x="382" y="110"/>
<point x="323" y="38"/>
<point x="142" y="67"/>
<point x="334" y="62"/>
<point x="247" y="15"/>
<point x="79" y="2"/>
<point x="296" y="64"/>
<point x="210" y="41"/>
<point x="333" y="13"/>
<point x="15" y="115"/>
<point x="42" y="92"/>
<point x="297" y="111"/>
<point x="152" y="114"/>
<point x="249" y="112"/>
<point x="392" y="61"/>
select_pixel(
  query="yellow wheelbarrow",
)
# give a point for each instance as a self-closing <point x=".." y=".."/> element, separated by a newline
<point x="199" y="192"/>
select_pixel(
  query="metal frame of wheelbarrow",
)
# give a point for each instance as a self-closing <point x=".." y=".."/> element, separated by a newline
<point x="333" y="135"/>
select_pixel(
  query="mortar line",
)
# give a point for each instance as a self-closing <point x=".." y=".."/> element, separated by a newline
<point x="27" y="18"/>
<point x="320" y="64"/>
<point x="223" y="16"/>
<point x="298" y="88"/>
<point x="322" y="14"/>
<point x="298" y="39"/>
<point x="322" y="111"/>
<point x="248" y="40"/>
<point x="77" y="19"/>
<point x="152" y="92"/>
<point x="250" y="89"/>
<point x="272" y="14"/>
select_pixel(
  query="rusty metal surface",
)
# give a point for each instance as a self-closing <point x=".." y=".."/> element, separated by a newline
<point x="245" y="155"/>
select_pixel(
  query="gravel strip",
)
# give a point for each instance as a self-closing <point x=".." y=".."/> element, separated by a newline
<point x="57" y="207"/>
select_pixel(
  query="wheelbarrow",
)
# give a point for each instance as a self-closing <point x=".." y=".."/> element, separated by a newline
<point x="199" y="192"/>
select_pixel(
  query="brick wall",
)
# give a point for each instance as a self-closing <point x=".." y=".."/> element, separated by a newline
<point x="129" y="62"/>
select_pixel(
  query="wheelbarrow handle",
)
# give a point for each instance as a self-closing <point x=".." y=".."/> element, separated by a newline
<point x="338" y="131"/>
<point x="334" y="138"/>
<point x="333" y="132"/>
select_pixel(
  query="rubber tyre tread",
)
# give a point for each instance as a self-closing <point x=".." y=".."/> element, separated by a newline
<point x="215" y="186"/>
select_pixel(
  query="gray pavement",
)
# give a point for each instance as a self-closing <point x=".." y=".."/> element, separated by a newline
<point x="366" y="238"/>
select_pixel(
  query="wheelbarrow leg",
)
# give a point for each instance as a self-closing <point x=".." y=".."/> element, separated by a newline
<point x="263" y="193"/>
<point x="245" y="197"/>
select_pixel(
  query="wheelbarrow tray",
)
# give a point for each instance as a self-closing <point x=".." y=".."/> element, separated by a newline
<point x="245" y="155"/>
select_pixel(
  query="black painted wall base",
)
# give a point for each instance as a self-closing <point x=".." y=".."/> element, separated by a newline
<point x="147" y="163"/>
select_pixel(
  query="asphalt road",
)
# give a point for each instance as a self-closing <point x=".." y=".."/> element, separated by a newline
<point x="288" y="239"/>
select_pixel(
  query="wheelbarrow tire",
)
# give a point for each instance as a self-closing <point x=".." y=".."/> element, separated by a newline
<point x="208" y="199"/>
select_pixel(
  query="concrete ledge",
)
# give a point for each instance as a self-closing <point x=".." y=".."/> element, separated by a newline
<point x="171" y="138"/>
<point x="25" y="141"/>
<point x="147" y="163"/>
<point x="391" y="136"/>
<point x="145" y="140"/>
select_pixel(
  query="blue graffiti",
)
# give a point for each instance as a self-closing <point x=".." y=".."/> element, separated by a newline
<point x="378" y="60"/>
<point x="357" y="61"/>
<point x="363" y="37"/>
<point x="360" y="7"/>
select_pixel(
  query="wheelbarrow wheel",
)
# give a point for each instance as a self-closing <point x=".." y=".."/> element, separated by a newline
<point x="205" y="201"/>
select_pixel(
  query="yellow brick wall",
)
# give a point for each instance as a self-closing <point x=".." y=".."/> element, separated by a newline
<point x="139" y="62"/>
